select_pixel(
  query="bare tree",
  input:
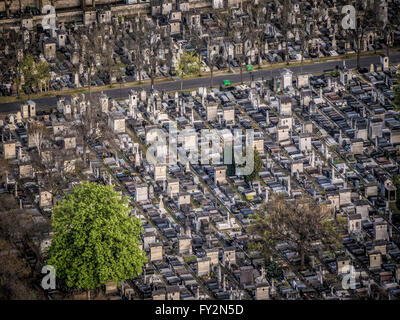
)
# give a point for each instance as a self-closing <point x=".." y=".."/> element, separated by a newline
<point x="53" y="172"/>
<point x="4" y="170"/>
<point x="299" y="222"/>
<point x="365" y="19"/>
<point x="91" y="49"/>
<point x="153" y="49"/>
<point x="226" y="23"/>
<point x="136" y="46"/>
<point x="38" y="132"/>
<point x="89" y="126"/>
<point x="245" y="40"/>
<point x="16" y="277"/>
<point x="304" y="38"/>
<point x="389" y="37"/>
<point x="169" y="48"/>
<point x="108" y="56"/>
<point x="259" y="16"/>
<point x="285" y="27"/>
<point x="212" y="59"/>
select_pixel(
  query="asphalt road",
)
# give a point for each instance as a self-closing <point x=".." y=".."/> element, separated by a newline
<point x="116" y="93"/>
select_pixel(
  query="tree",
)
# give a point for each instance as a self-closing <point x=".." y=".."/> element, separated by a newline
<point x="302" y="20"/>
<point x="136" y="47"/>
<point x="53" y="173"/>
<point x="259" y="16"/>
<point x="154" y="41"/>
<point x="169" y="55"/>
<point x="257" y="167"/>
<point x="95" y="239"/>
<point x="36" y="74"/>
<point x="274" y="270"/>
<point x="16" y="277"/>
<point x="92" y="45"/>
<point x="212" y="59"/>
<point x="188" y="64"/>
<point x="285" y="27"/>
<point x="91" y="126"/>
<point x="396" y="92"/>
<point x="136" y="43"/>
<point x="389" y="35"/>
<point x="298" y="221"/>
<point x="198" y="43"/>
<point x="38" y="132"/>
<point x="364" y="20"/>
<point x="110" y="64"/>
<point x="119" y="70"/>
<point x="316" y="16"/>
<point x="396" y="182"/>
<point x="245" y="45"/>
<point x="4" y="171"/>
<point x="226" y="24"/>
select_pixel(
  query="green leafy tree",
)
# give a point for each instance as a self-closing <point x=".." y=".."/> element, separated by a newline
<point x="257" y="167"/>
<point x="396" y="92"/>
<point x="274" y="270"/>
<point x="188" y="64"/>
<point x="334" y="74"/>
<point x="95" y="240"/>
<point x="36" y="74"/>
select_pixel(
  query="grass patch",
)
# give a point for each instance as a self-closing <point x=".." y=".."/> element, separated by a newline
<point x="190" y="259"/>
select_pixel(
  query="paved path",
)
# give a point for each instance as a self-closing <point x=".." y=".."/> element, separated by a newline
<point x="205" y="82"/>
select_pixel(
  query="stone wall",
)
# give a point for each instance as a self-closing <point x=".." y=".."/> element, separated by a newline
<point x="70" y="10"/>
<point x="59" y="4"/>
<point x="74" y="4"/>
<point x="77" y="15"/>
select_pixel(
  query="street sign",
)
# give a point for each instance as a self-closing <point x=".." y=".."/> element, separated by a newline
<point x="227" y="82"/>
<point x="249" y="67"/>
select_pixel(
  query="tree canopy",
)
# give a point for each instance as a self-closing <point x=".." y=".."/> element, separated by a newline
<point x="36" y="74"/>
<point x="188" y="65"/>
<point x="95" y="240"/>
